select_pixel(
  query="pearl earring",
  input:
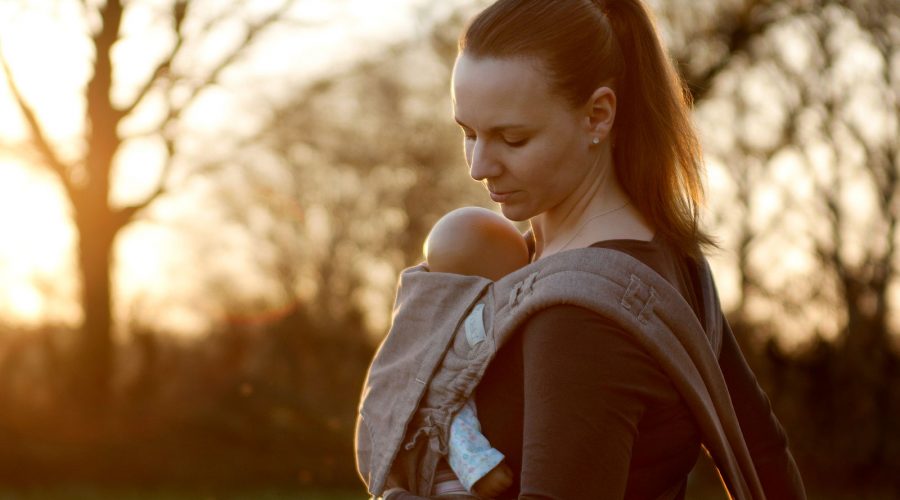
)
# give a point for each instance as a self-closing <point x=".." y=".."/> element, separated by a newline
<point x="596" y="140"/>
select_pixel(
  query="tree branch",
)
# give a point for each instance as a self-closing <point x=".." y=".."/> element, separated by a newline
<point x="46" y="150"/>
<point x="127" y="214"/>
<point x="253" y="30"/>
<point x="179" y="13"/>
<point x="175" y="111"/>
<point x="161" y="69"/>
<point x="753" y="20"/>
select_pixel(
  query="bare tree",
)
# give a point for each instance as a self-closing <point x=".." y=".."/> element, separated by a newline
<point x="375" y="158"/>
<point x="840" y="123"/>
<point x="809" y="114"/>
<point x="87" y="180"/>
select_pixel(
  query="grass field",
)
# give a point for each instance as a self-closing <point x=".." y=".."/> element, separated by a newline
<point x="88" y="493"/>
<point x="697" y="492"/>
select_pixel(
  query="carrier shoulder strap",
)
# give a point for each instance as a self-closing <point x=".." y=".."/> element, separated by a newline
<point x="620" y="287"/>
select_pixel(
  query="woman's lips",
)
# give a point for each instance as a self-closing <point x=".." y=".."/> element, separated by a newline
<point x="501" y="197"/>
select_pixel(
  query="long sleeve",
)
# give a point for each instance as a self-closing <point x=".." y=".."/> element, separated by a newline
<point x="587" y="385"/>
<point x="766" y="439"/>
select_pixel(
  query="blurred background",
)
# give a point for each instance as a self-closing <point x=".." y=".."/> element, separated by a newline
<point x="204" y="207"/>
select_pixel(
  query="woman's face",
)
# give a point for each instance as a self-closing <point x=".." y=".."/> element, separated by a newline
<point x="528" y="146"/>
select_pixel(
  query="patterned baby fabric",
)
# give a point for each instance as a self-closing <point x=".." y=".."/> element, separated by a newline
<point x="470" y="454"/>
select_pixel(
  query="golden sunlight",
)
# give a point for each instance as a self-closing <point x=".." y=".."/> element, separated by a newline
<point x="49" y="58"/>
<point x="38" y="240"/>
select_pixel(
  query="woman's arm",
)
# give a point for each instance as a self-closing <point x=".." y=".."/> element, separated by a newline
<point x="584" y="394"/>
<point x="764" y="435"/>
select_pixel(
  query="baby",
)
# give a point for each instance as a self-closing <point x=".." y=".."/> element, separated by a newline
<point x="474" y="241"/>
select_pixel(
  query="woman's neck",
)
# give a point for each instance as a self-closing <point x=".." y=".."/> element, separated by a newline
<point x="597" y="210"/>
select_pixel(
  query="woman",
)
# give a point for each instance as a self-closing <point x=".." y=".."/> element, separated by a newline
<point x="576" y="121"/>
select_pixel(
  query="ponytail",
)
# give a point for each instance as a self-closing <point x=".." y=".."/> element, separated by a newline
<point x="657" y="156"/>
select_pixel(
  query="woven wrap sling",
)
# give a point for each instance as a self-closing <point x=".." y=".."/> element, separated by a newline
<point x="446" y="328"/>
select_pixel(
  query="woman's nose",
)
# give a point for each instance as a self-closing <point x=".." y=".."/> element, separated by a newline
<point x="482" y="164"/>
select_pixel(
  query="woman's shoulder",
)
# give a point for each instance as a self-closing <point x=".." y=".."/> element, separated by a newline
<point x="561" y="315"/>
<point x="574" y="337"/>
<point x="568" y="324"/>
<point x="660" y="255"/>
<point x="567" y="318"/>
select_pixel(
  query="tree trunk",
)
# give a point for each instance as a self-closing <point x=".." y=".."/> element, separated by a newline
<point x="94" y="355"/>
<point x="97" y="224"/>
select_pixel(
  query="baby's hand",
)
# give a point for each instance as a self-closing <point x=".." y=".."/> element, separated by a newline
<point x="494" y="482"/>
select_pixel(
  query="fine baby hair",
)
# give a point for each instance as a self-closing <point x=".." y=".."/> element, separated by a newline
<point x="475" y="241"/>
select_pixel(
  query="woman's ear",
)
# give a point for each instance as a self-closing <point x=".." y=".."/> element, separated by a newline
<point x="601" y="114"/>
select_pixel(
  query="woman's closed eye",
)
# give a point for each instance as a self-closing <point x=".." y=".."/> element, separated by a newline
<point x="515" y="142"/>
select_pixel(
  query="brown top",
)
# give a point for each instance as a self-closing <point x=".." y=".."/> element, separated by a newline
<point x="580" y="410"/>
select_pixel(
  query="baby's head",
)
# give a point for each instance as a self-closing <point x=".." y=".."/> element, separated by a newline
<point x="475" y="241"/>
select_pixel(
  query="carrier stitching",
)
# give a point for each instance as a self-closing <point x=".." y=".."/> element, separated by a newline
<point x="647" y="310"/>
<point x="514" y="295"/>
<point x="630" y="292"/>
<point x="631" y="300"/>
<point x="521" y="288"/>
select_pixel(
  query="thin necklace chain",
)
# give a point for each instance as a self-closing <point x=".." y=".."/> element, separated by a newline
<point x="584" y="224"/>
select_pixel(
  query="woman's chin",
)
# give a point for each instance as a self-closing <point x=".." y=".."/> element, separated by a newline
<point x="515" y="212"/>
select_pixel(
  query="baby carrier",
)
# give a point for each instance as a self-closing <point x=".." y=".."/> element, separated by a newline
<point x="446" y="328"/>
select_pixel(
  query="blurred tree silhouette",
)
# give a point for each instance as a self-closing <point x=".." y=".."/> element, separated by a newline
<point x="803" y="123"/>
<point x="174" y="84"/>
<point x="798" y="105"/>
<point x="375" y="158"/>
<point x="323" y="196"/>
<point x="811" y="149"/>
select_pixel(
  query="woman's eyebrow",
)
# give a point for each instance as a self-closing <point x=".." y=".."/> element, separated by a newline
<point x="496" y="128"/>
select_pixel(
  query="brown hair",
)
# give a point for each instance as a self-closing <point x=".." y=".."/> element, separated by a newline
<point x="585" y="44"/>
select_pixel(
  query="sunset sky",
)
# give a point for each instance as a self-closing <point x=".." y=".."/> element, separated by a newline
<point x="47" y="51"/>
<point x="45" y="45"/>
